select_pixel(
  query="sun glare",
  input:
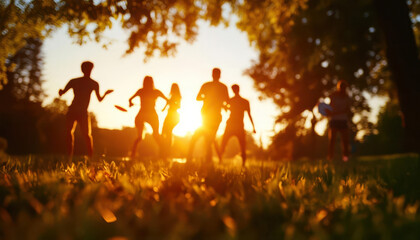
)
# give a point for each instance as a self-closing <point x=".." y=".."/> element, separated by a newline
<point x="190" y="119"/>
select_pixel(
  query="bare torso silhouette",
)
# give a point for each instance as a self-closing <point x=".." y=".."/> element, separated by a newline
<point x="238" y="107"/>
<point x="82" y="89"/>
<point x="148" y="99"/>
<point x="235" y="124"/>
<point x="213" y="94"/>
<point x="78" y="110"/>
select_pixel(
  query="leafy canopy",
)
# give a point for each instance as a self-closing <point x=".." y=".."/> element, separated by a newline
<point x="156" y="25"/>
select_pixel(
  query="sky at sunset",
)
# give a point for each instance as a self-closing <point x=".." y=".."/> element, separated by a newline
<point x="225" y="48"/>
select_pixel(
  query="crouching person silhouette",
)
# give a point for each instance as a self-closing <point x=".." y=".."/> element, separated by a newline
<point x="78" y="110"/>
<point x="235" y="124"/>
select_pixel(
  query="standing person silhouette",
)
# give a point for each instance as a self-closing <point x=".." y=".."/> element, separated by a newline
<point x="235" y="124"/>
<point x="214" y="96"/>
<point x="147" y="113"/>
<point x="78" y="110"/>
<point x="172" y="118"/>
<point x="338" y="120"/>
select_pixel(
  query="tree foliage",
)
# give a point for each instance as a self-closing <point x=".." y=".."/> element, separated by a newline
<point x="25" y="80"/>
<point x="306" y="47"/>
<point x="21" y="21"/>
<point x="154" y="25"/>
<point x="388" y="134"/>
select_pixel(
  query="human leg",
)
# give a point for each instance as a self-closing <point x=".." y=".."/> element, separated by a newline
<point x="226" y="136"/>
<point x="242" y="143"/>
<point x="197" y="134"/>
<point x="70" y="127"/>
<point x="153" y="120"/>
<point x="345" y="143"/>
<point x="140" y="127"/>
<point x="211" y="125"/>
<point x="331" y="143"/>
<point x="168" y="126"/>
<point x="85" y="127"/>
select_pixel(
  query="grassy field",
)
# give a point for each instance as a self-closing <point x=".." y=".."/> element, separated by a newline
<point x="369" y="198"/>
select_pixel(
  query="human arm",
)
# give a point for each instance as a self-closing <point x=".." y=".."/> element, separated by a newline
<point x="160" y="94"/>
<point x="132" y="97"/>
<point x="201" y="94"/>
<point x="98" y="95"/>
<point x="226" y="99"/>
<point x="66" y="88"/>
<point x="167" y="103"/>
<point x="250" y="118"/>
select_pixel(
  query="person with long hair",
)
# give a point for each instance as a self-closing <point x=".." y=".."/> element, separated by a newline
<point x="172" y="118"/>
<point x="147" y="113"/>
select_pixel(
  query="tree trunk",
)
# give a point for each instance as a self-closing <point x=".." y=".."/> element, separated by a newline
<point x="403" y="61"/>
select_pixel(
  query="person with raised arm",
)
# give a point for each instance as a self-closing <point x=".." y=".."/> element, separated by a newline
<point x="147" y="113"/>
<point x="78" y="110"/>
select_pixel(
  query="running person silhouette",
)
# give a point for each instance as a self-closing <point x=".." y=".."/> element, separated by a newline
<point x="172" y="118"/>
<point x="78" y="110"/>
<point x="214" y="96"/>
<point x="147" y="113"/>
<point x="235" y="124"/>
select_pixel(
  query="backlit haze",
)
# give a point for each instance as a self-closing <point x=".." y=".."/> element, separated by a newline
<point x="225" y="48"/>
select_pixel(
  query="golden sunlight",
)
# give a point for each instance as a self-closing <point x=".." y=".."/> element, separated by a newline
<point x="190" y="119"/>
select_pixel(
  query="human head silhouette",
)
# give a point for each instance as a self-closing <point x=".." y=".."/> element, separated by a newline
<point x="342" y="86"/>
<point x="216" y="74"/>
<point x="235" y="89"/>
<point x="87" y="68"/>
<point x="175" y="91"/>
<point x="148" y="83"/>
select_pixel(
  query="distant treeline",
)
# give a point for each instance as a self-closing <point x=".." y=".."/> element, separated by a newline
<point x="30" y="128"/>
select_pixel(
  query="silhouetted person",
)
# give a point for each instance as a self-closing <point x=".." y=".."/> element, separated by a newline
<point x="147" y="113"/>
<point x="78" y="110"/>
<point x="214" y="96"/>
<point x="338" y="120"/>
<point x="235" y="124"/>
<point x="172" y="118"/>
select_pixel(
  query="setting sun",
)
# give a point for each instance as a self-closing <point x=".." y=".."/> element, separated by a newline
<point x="190" y="119"/>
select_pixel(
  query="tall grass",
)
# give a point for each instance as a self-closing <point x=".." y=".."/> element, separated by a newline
<point x="48" y="198"/>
